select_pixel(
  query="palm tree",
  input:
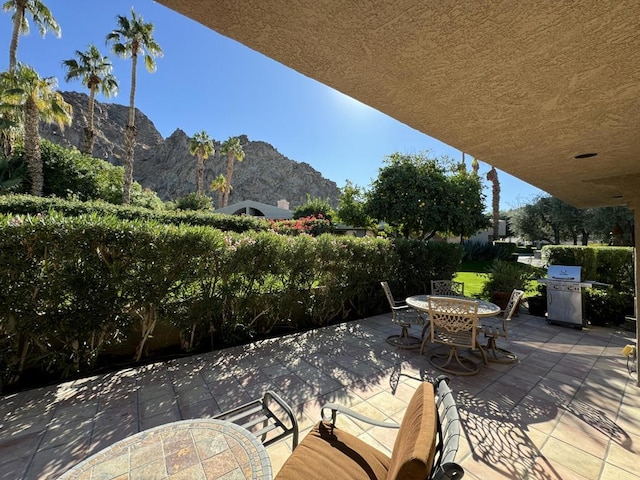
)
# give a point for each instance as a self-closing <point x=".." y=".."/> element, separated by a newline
<point x="40" y="101"/>
<point x="233" y="150"/>
<point x="201" y="145"/>
<point x="133" y="37"/>
<point x="220" y="184"/>
<point x="492" y="176"/>
<point x="94" y="71"/>
<point x="42" y="18"/>
<point x="10" y="118"/>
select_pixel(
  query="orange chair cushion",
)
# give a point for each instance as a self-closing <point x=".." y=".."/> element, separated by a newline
<point x="332" y="454"/>
<point x="414" y="449"/>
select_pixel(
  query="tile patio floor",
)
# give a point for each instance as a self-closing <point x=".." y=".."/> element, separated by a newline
<point x="568" y="410"/>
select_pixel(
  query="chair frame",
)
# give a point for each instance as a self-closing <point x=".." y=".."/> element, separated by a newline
<point x="251" y="414"/>
<point x="447" y="287"/>
<point x="493" y="332"/>
<point x="454" y="324"/>
<point x="448" y="432"/>
<point x="405" y="316"/>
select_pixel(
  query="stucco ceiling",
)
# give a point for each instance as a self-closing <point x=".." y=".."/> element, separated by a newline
<point x="522" y="85"/>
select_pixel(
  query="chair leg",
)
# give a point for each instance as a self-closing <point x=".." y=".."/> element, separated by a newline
<point x="497" y="354"/>
<point x="451" y="362"/>
<point x="404" y="340"/>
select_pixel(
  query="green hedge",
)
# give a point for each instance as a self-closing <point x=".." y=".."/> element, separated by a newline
<point x="72" y="286"/>
<point x="30" y="205"/>
<point x="611" y="265"/>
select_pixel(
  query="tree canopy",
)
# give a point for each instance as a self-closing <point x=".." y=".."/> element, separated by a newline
<point x="418" y="196"/>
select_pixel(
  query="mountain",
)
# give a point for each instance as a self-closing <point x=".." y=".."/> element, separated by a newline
<point x="165" y="165"/>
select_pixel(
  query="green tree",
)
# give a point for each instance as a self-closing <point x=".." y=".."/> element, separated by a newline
<point x="548" y="219"/>
<point x="418" y="196"/>
<point x="11" y="117"/>
<point x="133" y="37"/>
<point x="94" y="71"/>
<point x="220" y="184"/>
<point x="352" y="206"/>
<point x="314" y="207"/>
<point x="467" y="215"/>
<point x="233" y="150"/>
<point x="201" y="145"/>
<point x="41" y="102"/>
<point x="42" y="18"/>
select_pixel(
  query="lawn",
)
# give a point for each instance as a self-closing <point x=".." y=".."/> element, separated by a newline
<point x="473" y="275"/>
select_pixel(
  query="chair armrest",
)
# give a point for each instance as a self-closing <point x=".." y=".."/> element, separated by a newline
<point x="335" y="408"/>
<point x="448" y="471"/>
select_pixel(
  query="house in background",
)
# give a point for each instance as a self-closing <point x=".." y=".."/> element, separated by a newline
<point x="257" y="209"/>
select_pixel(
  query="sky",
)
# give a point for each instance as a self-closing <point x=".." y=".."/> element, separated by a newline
<point x="206" y="81"/>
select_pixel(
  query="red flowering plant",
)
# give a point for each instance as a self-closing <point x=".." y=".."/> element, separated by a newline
<point x="310" y="225"/>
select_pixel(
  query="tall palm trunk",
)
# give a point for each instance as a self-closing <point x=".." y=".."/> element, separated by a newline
<point x="130" y="133"/>
<point x="89" y="132"/>
<point x="492" y="176"/>
<point x="227" y="190"/>
<point x="220" y="198"/>
<point x="32" y="146"/>
<point x="21" y="6"/>
<point x="200" y="173"/>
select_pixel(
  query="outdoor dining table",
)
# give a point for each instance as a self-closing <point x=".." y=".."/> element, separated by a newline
<point x="202" y="448"/>
<point x="485" y="308"/>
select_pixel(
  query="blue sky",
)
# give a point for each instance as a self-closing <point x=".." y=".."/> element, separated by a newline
<point x="208" y="82"/>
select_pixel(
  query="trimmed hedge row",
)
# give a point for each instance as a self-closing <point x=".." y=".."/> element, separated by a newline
<point x="611" y="265"/>
<point x="30" y="205"/>
<point x="72" y="286"/>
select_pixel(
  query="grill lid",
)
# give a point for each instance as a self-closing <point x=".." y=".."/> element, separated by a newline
<point x="569" y="273"/>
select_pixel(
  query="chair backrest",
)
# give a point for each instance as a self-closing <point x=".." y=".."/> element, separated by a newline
<point x="387" y="292"/>
<point x="512" y="305"/>
<point x="454" y="321"/>
<point x="415" y="446"/>
<point x="447" y="287"/>
<point x="429" y="435"/>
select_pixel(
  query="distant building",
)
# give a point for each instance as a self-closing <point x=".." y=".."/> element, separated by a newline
<point x="257" y="209"/>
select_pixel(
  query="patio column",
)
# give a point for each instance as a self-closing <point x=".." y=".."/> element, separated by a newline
<point x="636" y="249"/>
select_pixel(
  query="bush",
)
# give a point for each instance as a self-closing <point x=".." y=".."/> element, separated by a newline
<point x="194" y="201"/>
<point x="483" y="251"/>
<point x="611" y="265"/>
<point x="30" y="205"/>
<point x="75" y="286"/>
<point x="71" y="174"/>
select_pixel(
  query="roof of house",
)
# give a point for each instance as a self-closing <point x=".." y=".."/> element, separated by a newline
<point x="256" y="209"/>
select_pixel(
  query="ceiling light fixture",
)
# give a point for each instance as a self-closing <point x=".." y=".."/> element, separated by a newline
<point x="586" y="155"/>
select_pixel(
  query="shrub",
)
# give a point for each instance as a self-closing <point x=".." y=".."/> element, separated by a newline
<point x="194" y="201"/>
<point x="73" y="286"/>
<point x="483" y="251"/>
<point x="71" y="174"/>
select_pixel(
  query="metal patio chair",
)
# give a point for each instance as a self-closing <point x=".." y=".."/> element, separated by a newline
<point x="454" y="324"/>
<point x="496" y="327"/>
<point x="447" y="287"/>
<point x="405" y="316"/>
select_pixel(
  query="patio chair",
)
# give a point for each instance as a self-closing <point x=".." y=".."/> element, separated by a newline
<point x="454" y="324"/>
<point x="425" y="447"/>
<point x="269" y="418"/>
<point x="405" y="316"/>
<point x="494" y="328"/>
<point x="447" y="287"/>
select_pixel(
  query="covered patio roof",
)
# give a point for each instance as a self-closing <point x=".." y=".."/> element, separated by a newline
<point x="523" y="86"/>
<point x="528" y="87"/>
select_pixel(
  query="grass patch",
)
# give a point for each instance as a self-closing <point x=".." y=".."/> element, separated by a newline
<point x="473" y="282"/>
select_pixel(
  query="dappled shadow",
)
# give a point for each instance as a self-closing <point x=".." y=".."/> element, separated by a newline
<point x="499" y="438"/>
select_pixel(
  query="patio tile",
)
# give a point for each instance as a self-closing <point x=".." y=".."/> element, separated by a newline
<point x="566" y="410"/>
<point x="573" y="458"/>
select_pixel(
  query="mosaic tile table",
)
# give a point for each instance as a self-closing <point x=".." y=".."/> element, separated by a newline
<point x="195" y="449"/>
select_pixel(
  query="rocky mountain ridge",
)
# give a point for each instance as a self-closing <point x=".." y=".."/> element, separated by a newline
<point x="165" y="165"/>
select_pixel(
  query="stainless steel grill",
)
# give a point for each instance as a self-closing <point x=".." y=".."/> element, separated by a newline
<point x="564" y="294"/>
